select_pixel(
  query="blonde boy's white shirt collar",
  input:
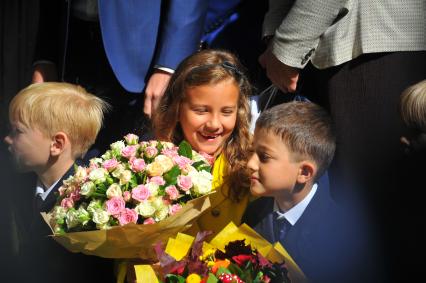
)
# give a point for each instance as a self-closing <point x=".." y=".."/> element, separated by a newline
<point x="40" y="189"/>
<point x="293" y="214"/>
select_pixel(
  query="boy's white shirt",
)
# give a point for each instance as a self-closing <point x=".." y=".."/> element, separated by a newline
<point x="293" y="214"/>
<point x="40" y="189"/>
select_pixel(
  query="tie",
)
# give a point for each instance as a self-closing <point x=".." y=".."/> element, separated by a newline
<point x="38" y="202"/>
<point x="281" y="227"/>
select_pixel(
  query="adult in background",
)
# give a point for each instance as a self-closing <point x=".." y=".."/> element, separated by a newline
<point x="355" y="58"/>
<point x="124" y="51"/>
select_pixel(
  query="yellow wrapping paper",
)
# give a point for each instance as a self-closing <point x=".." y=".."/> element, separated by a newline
<point x="273" y="252"/>
<point x="131" y="240"/>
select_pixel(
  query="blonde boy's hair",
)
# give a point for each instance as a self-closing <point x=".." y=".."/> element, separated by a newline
<point x="413" y="106"/>
<point x="60" y="107"/>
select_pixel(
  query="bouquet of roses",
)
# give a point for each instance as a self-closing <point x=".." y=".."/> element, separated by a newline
<point x="236" y="254"/>
<point x="139" y="183"/>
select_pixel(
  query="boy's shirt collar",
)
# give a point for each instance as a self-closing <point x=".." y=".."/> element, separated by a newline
<point x="41" y="189"/>
<point x="293" y="214"/>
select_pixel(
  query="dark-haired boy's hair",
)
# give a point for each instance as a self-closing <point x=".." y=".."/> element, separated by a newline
<point x="306" y="130"/>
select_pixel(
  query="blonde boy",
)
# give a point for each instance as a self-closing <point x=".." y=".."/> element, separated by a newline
<point x="52" y="124"/>
<point x="413" y="113"/>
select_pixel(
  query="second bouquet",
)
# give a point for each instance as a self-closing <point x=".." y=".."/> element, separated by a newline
<point x="134" y="195"/>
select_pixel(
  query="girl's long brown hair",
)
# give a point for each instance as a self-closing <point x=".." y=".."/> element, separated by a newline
<point x="210" y="67"/>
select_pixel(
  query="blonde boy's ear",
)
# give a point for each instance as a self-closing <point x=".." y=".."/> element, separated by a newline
<point x="59" y="143"/>
<point x="307" y="171"/>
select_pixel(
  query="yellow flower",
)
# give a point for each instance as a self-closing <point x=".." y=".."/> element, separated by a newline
<point x="193" y="278"/>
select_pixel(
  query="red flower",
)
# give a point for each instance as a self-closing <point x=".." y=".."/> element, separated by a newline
<point x="230" y="278"/>
<point x="242" y="259"/>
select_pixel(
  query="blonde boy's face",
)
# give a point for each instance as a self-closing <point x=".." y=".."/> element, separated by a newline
<point x="273" y="171"/>
<point x="29" y="147"/>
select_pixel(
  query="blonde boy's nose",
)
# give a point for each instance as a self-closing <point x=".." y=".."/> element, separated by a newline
<point x="252" y="164"/>
<point x="8" y="139"/>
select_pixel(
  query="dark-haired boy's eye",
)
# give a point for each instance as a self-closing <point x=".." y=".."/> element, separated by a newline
<point x="263" y="157"/>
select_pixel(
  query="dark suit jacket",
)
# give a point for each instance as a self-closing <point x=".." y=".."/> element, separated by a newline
<point x="319" y="242"/>
<point x="41" y="258"/>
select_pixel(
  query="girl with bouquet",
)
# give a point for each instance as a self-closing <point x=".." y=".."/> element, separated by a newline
<point x="206" y="104"/>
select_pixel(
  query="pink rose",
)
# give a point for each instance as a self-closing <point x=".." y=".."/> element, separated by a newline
<point x="149" y="221"/>
<point x="126" y="216"/>
<point x="170" y="152"/>
<point x="127" y="196"/>
<point x="172" y="192"/>
<point x="129" y="151"/>
<point x="208" y="157"/>
<point x="157" y="180"/>
<point x="115" y="206"/>
<point x="182" y="161"/>
<point x="151" y="152"/>
<point x="141" y="193"/>
<point x="75" y="195"/>
<point x="110" y="164"/>
<point x="137" y="164"/>
<point x="131" y="139"/>
<point x="67" y="203"/>
<point x="174" y="209"/>
<point x="184" y="182"/>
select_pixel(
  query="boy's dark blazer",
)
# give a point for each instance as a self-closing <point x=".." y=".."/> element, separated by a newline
<point x="318" y="242"/>
<point x="46" y="260"/>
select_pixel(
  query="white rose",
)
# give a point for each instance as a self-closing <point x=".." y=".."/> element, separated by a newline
<point x="117" y="146"/>
<point x="114" y="191"/>
<point x="107" y="155"/>
<point x="161" y="213"/>
<point x="93" y="206"/>
<point x="154" y="169"/>
<point x="145" y="209"/>
<point x="80" y="174"/>
<point x="125" y="177"/>
<point x="87" y="189"/>
<point x="165" y="162"/>
<point x="100" y="216"/>
<point x="59" y="213"/>
<point x="118" y="170"/>
<point x="153" y="189"/>
<point x="95" y="162"/>
<point x="202" y="182"/>
<point x="158" y="203"/>
<point x="83" y="215"/>
<point x="98" y="175"/>
<point x="72" y="218"/>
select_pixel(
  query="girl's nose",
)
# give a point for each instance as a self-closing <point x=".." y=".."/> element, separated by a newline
<point x="213" y="124"/>
<point x="8" y="140"/>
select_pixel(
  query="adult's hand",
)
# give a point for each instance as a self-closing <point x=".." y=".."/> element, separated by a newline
<point x="155" y="89"/>
<point x="44" y="72"/>
<point x="281" y="75"/>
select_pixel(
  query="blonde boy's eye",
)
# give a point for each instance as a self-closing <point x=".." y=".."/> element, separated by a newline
<point x="263" y="157"/>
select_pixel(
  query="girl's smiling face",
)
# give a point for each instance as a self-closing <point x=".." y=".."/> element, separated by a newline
<point x="208" y="115"/>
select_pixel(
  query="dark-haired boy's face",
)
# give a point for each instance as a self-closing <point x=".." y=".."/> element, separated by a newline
<point x="273" y="170"/>
<point x="29" y="147"/>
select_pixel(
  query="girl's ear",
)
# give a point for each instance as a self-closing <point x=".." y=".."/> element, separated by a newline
<point x="59" y="143"/>
<point x="307" y="171"/>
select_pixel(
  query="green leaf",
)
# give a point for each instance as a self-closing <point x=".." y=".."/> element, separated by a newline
<point x="185" y="149"/>
<point x="212" y="278"/>
<point x="172" y="278"/>
<point x="222" y="270"/>
<point x="133" y="181"/>
<point x="171" y="176"/>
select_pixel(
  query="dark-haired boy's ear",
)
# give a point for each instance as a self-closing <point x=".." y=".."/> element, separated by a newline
<point x="59" y="142"/>
<point x="307" y="171"/>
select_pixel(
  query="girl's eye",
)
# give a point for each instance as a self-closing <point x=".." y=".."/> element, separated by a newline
<point x="199" y="110"/>
<point x="228" y="112"/>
